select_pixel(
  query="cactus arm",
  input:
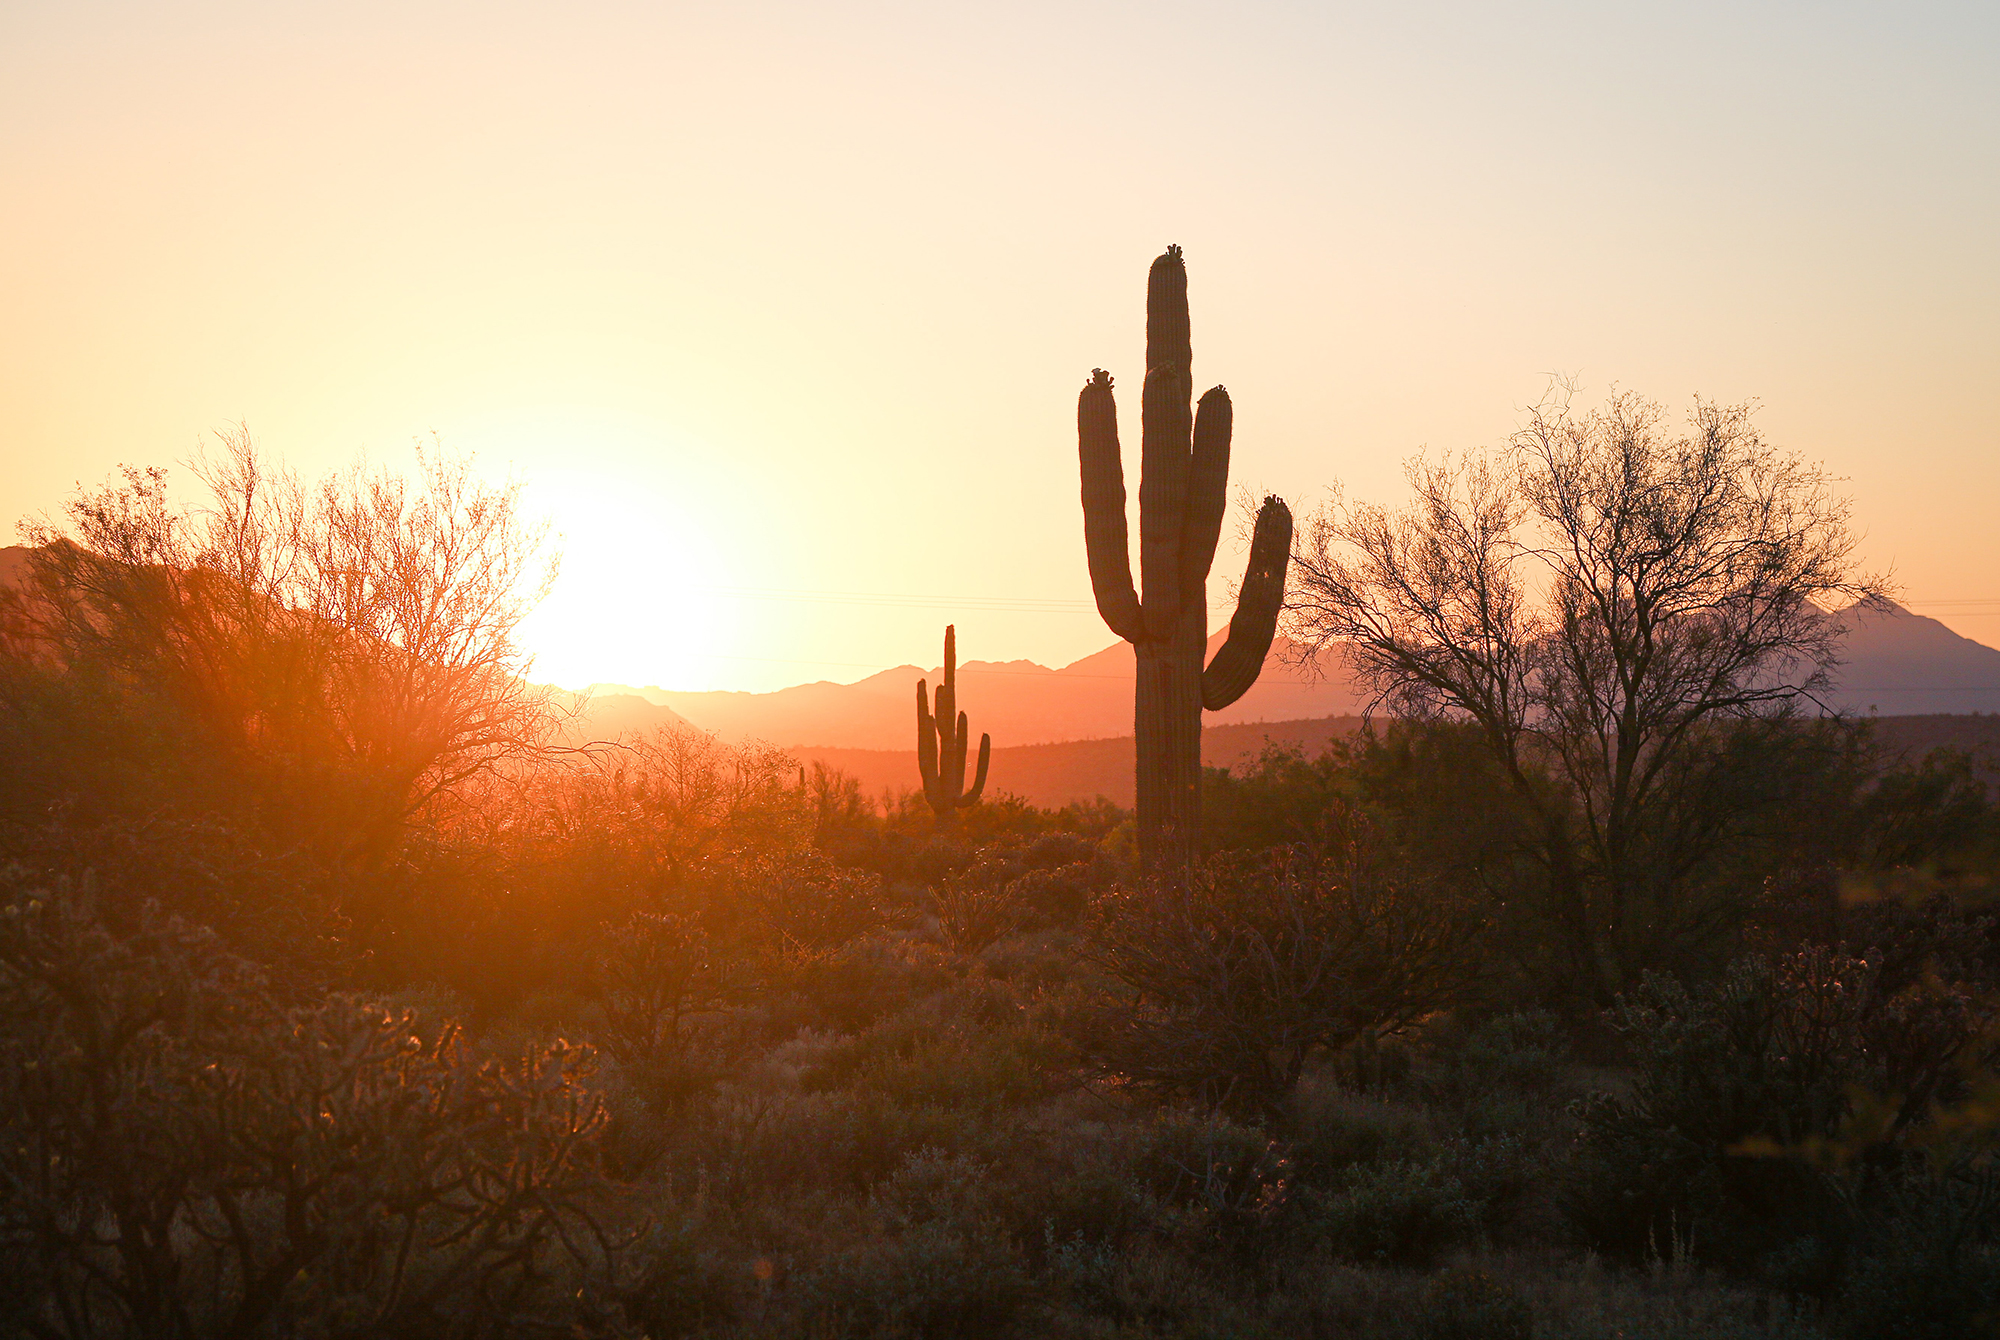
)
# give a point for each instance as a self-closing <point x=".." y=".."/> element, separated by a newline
<point x="1104" y="535"/>
<point x="1235" y="667"/>
<point x="979" y="782"/>
<point x="1166" y="426"/>
<point x="1208" y="489"/>
<point x="927" y="751"/>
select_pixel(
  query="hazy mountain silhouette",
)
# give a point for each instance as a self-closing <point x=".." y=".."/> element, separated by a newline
<point x="609" y="716"/>
<point x="1903" y="664"/>
<point x="1017" y="702"/>
<point x="1897" y="664"/>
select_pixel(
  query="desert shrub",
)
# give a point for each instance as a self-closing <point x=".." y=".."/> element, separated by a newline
<point x="1586" y="1299"/>
<point x="1777" y="1118"/>
<point x="917" y="1058"/>
<point x="1927" y="1264"/>
<point x="800" y="908"/>
<point x="1472" y="1304"/>
<point x="1279" y="799"/>
<point x="1211" y="1163"/>
<point x="1498" y="1172"/>
<point x="1161" y="1290"/>
<point x="1502" y="1075"/>
<point x="1933" y="811"/>
<point x="864" y="980"/>
<point x="1331" y="1129"/>
<point x="1372" y="1064"/>
<point x="1396" y="1213"/>
<point x="1044" y="883"/>
<point x="1912" y="929"/>
<point x="661" y="985"/>
<point x="680" y="1284"/>
<point x="942" y="1278"/>
<point x="321" y="664"/>
<point x="976" y="907"/>
<point x="1083" y="1272"/>
<point x="1239" y="973"/>
<point x="1074" y="1178"/>
<point x="1762" y="1054"/>
<point x="1524" y="1052"/>
<point x="947" y="1267"/>
<point x="904" y="846"/>
<point x="744" y="1146"/>
<point x="190" y="1152"/>
<point x="268" y="901"/>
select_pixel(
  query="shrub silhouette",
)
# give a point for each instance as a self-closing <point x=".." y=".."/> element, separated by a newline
<point x="191" y="1153"/>
<point x="1242" y="972"/>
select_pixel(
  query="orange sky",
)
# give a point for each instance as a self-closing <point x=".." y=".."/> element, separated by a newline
<point x="781" y="309"/>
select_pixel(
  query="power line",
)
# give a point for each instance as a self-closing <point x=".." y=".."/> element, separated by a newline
<point x="1052" y="605"/>
<point x="1917" y="688"/>
<point x="860" y="665"/>
<point x="993" y="604"/>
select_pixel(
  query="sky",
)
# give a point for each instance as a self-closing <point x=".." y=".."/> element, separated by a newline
<point x="779" y="311"/>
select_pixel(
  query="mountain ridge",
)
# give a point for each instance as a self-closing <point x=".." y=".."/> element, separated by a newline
<point x="1897" y="664"/>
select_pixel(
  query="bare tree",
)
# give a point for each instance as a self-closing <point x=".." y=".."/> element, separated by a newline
<point x="359" y="635"/>
<point x="1607" y="600"/>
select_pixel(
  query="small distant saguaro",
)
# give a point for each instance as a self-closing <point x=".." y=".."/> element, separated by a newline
<point x="941" y="741"/>
<point x="1182" y="498"/>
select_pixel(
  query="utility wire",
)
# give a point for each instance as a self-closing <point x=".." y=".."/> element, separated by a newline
<point x="1973" y="605"/>
<point x="999" y="604"/>
<point x="1050" y="605"/>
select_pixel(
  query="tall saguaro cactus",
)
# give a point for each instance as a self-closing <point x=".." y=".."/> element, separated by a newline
<point x="941" y="740"/>
<point x="1182" y="498"/>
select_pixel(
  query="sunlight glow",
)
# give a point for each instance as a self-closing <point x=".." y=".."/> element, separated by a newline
<point x="639" y="556"/>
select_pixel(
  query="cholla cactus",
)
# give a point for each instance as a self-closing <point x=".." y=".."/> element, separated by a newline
<point x="1182" y="498"/>
<point x="941" y="741"/>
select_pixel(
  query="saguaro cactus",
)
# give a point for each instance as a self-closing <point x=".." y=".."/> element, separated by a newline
<point x="941" y="743"/>
<point x="1185" y="462"/>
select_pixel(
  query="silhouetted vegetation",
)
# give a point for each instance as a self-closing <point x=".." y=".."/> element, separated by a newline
<point x="1182" y="499"/>
<point x="666" y="1036"/>
<point x="1626" y="621"/>
<point x="942" y="737"/>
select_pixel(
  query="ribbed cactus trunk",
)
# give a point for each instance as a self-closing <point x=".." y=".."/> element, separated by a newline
<point x="1166" y="721"/>
<point x="1182" y="498"/>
